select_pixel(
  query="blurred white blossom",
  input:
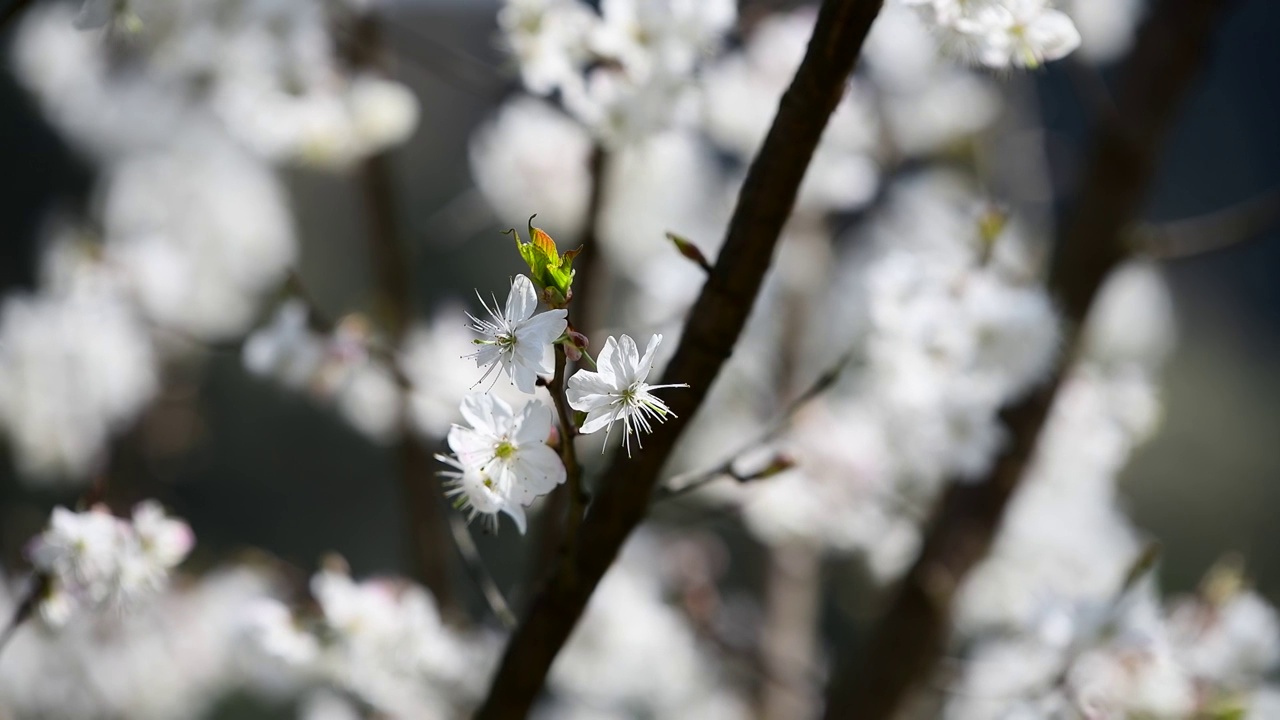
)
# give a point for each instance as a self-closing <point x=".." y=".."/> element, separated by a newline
<point x="381" y="639"/>
<point x="93" y="559"/>
<point x="1001" y="33"/>
<point x="74" y="371"/>
<point x="532" y="158"/>
<point x="626" y="71"/>
<point x="104" y="666"/>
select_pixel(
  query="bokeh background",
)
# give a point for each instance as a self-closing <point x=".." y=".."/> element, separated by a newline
<point x="252" y="464"/>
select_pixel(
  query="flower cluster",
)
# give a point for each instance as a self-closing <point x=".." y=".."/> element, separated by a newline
<point x="1001" y="33"/>
<point x="1204" y="655"/>
<point x="93" y="559"/>
<point x="949" y="326"/>
<point x="501" y="461"/>
<point x="624" y="71"/>
<point x="186" y="108"/>
<point x="381" y="639"/>
<point x="106" y="665"/>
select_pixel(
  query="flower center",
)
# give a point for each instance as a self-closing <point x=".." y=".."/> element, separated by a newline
<point x="504" y="451"/>
<point x="631" y="396"/>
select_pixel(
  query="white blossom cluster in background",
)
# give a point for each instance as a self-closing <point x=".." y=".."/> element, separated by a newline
<point x="1204" y="655"/>
<point x="1051" y="597"/>
<point x="1001" y="33"/>
<point x="93" y="560"/>
<point x="906" y="102"/>
<point x="172" y="656"/>
<point x="624" y="72"/>
<point x="896" y="259"/>
<point x="186" y="108"/>
<point x="336" y="366"/>
<point x="381" y="640"/>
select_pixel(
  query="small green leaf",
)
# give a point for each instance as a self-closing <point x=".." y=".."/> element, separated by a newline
<point x="550" y="271"/>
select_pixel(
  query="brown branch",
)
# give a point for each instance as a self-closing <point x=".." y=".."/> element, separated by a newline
<point x="714" y="325"/>
<point x="569" y="456"/>
<point x="913" y="633"/>
<point x="424" y="505"/>
<point x="586" y="313"/>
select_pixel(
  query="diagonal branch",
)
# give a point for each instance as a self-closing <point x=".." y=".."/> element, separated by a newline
<point x="710" y="334"/>
<point x="911" y="636"/>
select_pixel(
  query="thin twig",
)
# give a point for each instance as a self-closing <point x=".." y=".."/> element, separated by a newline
<point x="683" y="484"/>
<point x="1212" y="232"/>
<point x="908" y="640"/>
<point x="480" y="572"/>
<point x="569" y="456"/>
<point x="714" y="325"/>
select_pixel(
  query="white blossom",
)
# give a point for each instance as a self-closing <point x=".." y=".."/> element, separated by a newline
<point x="285" y="348"/>
<point x="93" y="559"/>
<point x="532" y="158"/>
<point x="625" y="73"/>
<point x="1001" y="33"/>
<point x="101" y="666"/>
<point x="1024" y="33"/>
<point x="502" y="461"/>
<point x="380" y="639"/>
<point x="74" y="371"/>
<point x="548" y="39"/>
<point x="516" y="339"/>
<point x="617" y="390"/>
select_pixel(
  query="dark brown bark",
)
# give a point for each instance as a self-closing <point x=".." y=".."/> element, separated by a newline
<point x="424" y="508"/>
<point x="713" y="328"/>
<point x="913" y="633"/>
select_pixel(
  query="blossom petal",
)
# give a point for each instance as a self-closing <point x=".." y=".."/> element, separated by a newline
<point x="543" y="328"/>
<point x="586" y="388"/>
<point x="487" y="413"/>
<point x="605" y="361"/>
<point x="516" y="513"/>
<point x="538" y="471"/>
<point x="533" y="424"/>
<point x="626" y="360"/>
<point x="646" y="362"/>
<point x="522" y="301"/>
<point x="473" y="449"/>
<point x="524" y="376"/>
<point x="598" y="419"/>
